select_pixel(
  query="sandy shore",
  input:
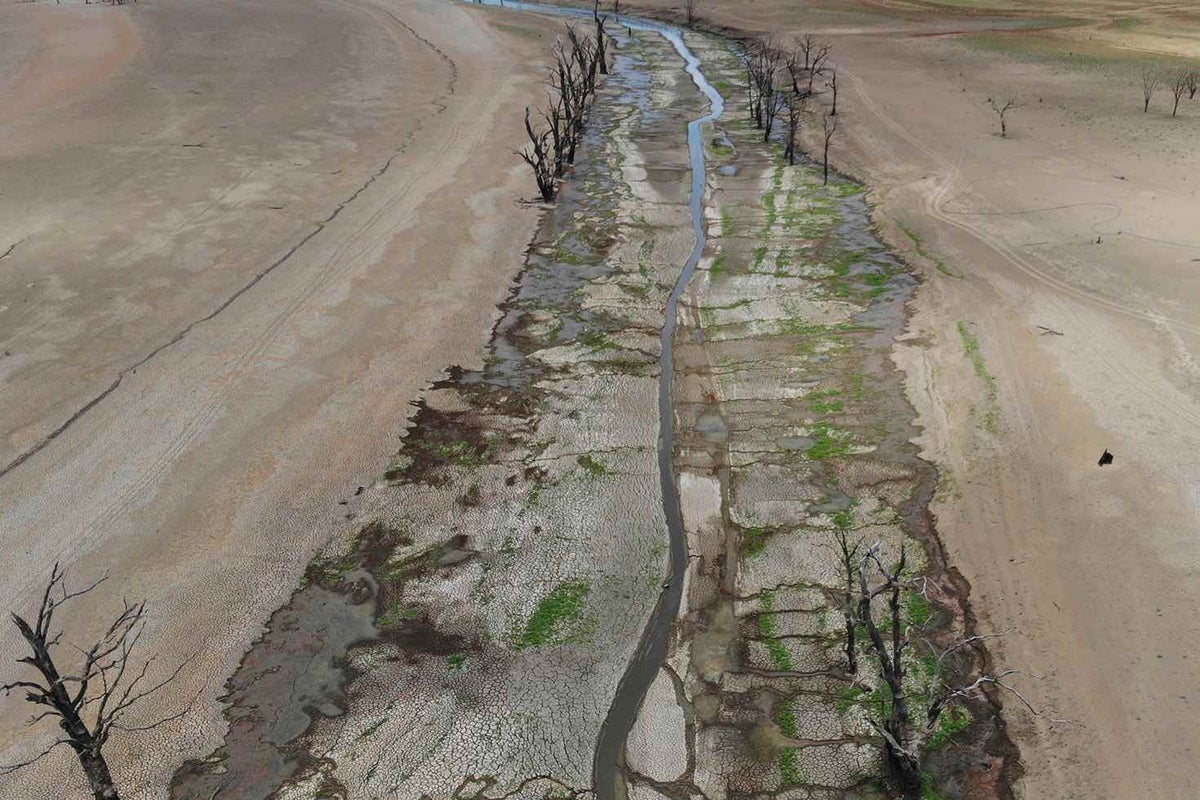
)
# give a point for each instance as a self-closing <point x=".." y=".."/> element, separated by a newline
<point x="244" y="238"/>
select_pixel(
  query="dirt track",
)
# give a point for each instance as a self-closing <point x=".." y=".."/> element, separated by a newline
<point x="245" y="237"/>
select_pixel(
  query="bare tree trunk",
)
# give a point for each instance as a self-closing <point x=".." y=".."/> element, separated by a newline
<point x="829" y="124"/>
<point x="1150" y="81"/>
<point x="98" y="775"/>
<point x="818" y="62"/>
<point x="849" y="566"/>
<point x="601" y="44"/>
<point x="102" y="689"/>
<point x="902" y="757"/>
<point x="1177" y="89"/>
<point x="770" y="112"/>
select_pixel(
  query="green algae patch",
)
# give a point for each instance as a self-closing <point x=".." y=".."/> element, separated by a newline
<point x="555" y="611"/>
<point x="780" y="657"/>
<point x="594" y="466"/>
<point x="952" y="720"/>
<point x="828" y="442"/>
<point x="789" y="768"/>
<point x="754" y="540"/>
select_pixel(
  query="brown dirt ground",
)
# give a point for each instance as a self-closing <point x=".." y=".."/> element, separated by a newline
<point x="1092" y="573"/>
<point x="205" y="236"/>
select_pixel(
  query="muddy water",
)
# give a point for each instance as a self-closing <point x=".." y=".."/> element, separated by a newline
<point x="652" y="651"/>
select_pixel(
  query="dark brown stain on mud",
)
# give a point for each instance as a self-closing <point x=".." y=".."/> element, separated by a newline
<point x="297" y="672"/>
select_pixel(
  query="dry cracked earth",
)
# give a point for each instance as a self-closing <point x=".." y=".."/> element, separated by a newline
<point x="469" y="639"/>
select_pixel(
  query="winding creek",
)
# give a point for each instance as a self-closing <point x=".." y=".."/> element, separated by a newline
<point x="652" y="649"/>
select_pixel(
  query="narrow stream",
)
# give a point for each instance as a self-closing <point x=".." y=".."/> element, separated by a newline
<point x="652" y="649"/>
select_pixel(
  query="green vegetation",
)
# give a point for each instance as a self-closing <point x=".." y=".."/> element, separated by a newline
<point x="918" y="610"/>
<point x="594" y="466"/>
<point x="456" y="660"/>
<point x="788" y="768"/>
<point x="718" y="147"/>
<point x="726" y="223"/>
<point x="832" y="407"/>
<point x="768" y="203"/>
<point x="856" y="386"/>
<point x="783" y="260"/>
<point x="395" y="614"/>
<point x="828" y="442"/>
<point x="754" y="540"/>
<point x="927" y="790"/>
<point x="785" y="718"/>
<point x="718" y="265"/>
<point x="370" y="730"/>
<point x="973" y="352"/>
<point x="919" y="247"/>
<point x="843" y="520"/>
<point x="952" y="720"/>
<point x="456" y="452"/>
<point x="760" y="255"/>
<point x="563" y="605"/>
<point x="780" y="657"/>
<point x="850" y="697"/>
<point x="597" y="340"/>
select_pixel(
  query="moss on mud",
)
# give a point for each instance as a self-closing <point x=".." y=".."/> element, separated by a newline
<point x="549" y="622"/>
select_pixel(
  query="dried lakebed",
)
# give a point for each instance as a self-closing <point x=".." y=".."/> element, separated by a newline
<point x="470" y="641"/>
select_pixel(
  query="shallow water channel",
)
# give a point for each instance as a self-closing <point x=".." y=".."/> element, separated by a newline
<point x="481" y="494"/>
<point x="652" y="650"/>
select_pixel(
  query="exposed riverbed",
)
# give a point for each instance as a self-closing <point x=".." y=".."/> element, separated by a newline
<point x="600" y="565"/>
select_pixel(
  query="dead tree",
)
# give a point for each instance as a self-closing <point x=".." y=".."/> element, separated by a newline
<point x="555" y="127"/>
<point x="1191" y="77"/>
<point x="896" y="725"/>
<point x="818" y="64"/>
<point x="1178" y="87"/>
<point x="583" y="54"/>
<point x="573" y="86"/>
<point x="794" y="116"/>
<point x="689" y="9"/>
<point x="807" y="46"/>
<point x="762" y="68"/>
<point x="771" y="109"/>
<point x="829" y="124"/>
<point x="92" y="700"/>
<point x="831" y="84"/>
<point x="540" y="159"/>
<point x="601" y="39"/>
<point x="903" y="736"/>
<point x="1001" y="111"/>
<point x="794" y="67"/>
<point x="1150" y="81"/>
<point x="848" y="568"/>
<point x="574" y="81"/>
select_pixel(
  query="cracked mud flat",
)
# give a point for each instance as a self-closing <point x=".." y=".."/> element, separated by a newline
<point x="793" y="424"/>
<point x="519" y="542"/>
<point x="469" y="641"/>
